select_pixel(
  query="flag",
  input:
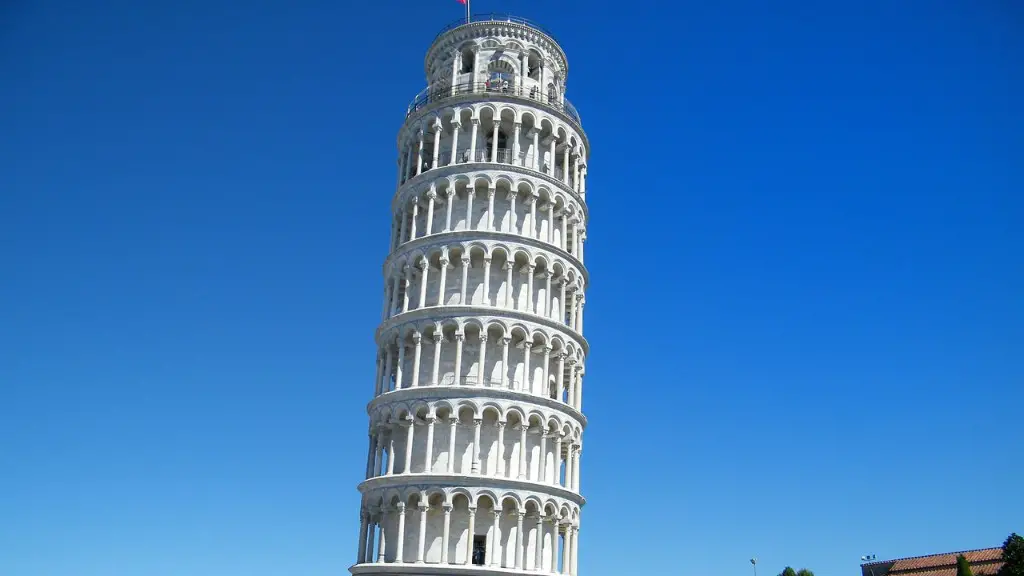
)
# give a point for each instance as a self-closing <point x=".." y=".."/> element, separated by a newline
<point x="462" y="1"/>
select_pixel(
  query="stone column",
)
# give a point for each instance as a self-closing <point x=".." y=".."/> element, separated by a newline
<point x="494" y="141"/>
<point x="408" y="162"/>
<point x="411" y="423"/>
<point x="424" y="267"/>
<point x="444" y="262"/>
<point x="475" y="124"/>
<point x="551" y="222"/>
<point x="544" y="308"/>
<point x="538" y="563"/>
<point x="565" y="231"/>
<point x="449" y="194"/>
<point x="453" y="421"/>
<point x="546" y="387"/>
<point x="508" y="285"/>
<point x="560" y="376"/>
<point x="469" y="541"/>
<point x="491" y="191"/>
<point x="575" y="548"/>
<point x="561" y="300"/>
<point x="419" y="155"/>
<point x="516" y="130"/>
<point x="578" y="400"/>
<point x="388" y="368"/>
<point x="565" y="165"/>
<point x="576" y="468"/>
<point x="382" y="546"/>
<point x="446" y="533"/>
<point x="456" y="126"/>
<point x="423" y="507"/>
<point x="364" y="522"/>
<point x="572" y="311"/>
<point x="476" y="445"/>
<point x="459" y="337"/>
<point x="431" y="198"/>
<point x="371" y="536"/>
<point x="378" y="451"/>
<point x="465" y="279"/>
<point x="536" y="149"/>
<point x="552" y="162"/>
<point x="371" y="454"/>
<point x="571" y="396"/>
<point x="542" y="477"/>
<point x="417" y="340"/>
<point x="520" y="541"/>
<point x="438" y="338"/>
<point x="527" y="376"/>
<point x="437" y="143"/>
<point x="378" y="381"/>
<point x="579" y="316"/>
<point x="511" y="197"/>
<point x="529" y="287"/>
<point x="567" y="550"/>
<point x="500" y="468"/>
<point x="403" y="227"/>
<point x="406" y="284"/>
<point x="495" y="556"/>
<point x="568" y="467"/>
<point x="400" y="545"/>
<point x="576" y="174"/>
<point x="470" y="193"/>
<point x="481" y="371"/>
<point x="504" y="362"/>
<point x="487" y="280"/>
<point x="523" y="428"/>
<point x="429" y="463"/>
<point x="533" y="232"/>
<point x="558" y="459"/>
<point x="401" y="362"/>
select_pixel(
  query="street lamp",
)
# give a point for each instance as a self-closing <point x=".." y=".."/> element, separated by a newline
<point x="753" y="561"/>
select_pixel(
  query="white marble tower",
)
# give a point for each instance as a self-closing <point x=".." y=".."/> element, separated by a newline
<point x="476" y="422"/>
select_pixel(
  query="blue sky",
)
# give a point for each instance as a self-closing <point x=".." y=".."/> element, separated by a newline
<point x="805" y="248"/>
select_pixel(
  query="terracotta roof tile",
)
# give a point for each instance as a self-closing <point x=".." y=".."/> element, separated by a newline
<point x="983" y="556"/>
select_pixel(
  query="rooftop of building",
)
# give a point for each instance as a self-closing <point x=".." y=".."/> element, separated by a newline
<point x="983" y="561"/>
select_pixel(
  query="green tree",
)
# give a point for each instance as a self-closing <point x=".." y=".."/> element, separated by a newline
<point x="1013" y="556"/>
<point x="788" y="571"/>
<point x="963" y="567"/>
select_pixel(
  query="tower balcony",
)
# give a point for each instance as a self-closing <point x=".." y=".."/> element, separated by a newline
<point x="521" y="90"/>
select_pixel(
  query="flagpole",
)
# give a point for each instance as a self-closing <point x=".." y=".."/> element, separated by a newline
<point x="467" y="11"/>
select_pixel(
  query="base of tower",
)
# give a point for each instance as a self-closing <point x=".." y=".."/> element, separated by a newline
<point x="413" y="569"/>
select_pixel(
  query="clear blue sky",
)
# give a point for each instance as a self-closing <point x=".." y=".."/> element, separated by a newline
<point x="806" y="314"/>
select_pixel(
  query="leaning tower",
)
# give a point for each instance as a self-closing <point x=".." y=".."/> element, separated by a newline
<point x="476" y="422"/>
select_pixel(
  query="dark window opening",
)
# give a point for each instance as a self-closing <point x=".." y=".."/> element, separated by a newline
<point x="467" y="61"/>
<point x="479" y="550"/>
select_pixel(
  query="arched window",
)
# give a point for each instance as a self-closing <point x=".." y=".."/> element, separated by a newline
<point x="467" y="61"/>
<point x="534" y="66"/>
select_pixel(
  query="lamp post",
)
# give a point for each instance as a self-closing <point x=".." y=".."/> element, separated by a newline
<point x="753" y="562"/>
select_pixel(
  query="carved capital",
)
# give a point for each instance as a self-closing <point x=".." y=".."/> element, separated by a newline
<point x="417" y="337"/>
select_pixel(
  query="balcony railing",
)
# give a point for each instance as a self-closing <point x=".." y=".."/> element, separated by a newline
<point x="449" y="380"/>
<point x="505" y="156"/>
<point x="435" y="94"/>
<point x="494" y="18"/>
